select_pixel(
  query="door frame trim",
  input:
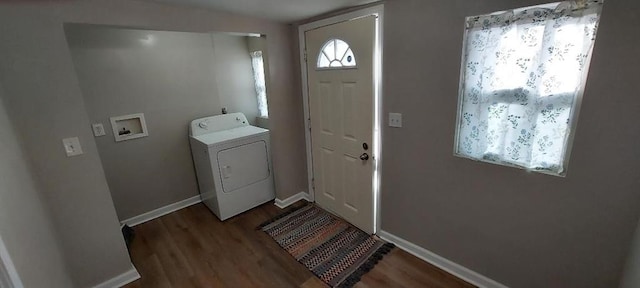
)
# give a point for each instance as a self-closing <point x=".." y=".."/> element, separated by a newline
<point x="378" y="11"/>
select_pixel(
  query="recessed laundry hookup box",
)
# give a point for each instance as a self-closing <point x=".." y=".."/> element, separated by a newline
<point x="129" y="127"/>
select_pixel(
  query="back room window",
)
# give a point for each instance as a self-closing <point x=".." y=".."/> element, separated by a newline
<point x="257" y="63"/>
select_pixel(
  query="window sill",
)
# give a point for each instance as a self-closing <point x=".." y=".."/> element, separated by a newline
<point x="262" y="122"/>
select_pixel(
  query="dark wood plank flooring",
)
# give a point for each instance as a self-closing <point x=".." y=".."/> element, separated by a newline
<point x="192" y="248"/>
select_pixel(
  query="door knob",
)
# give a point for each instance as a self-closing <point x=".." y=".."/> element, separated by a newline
<point x="364" y="157"/>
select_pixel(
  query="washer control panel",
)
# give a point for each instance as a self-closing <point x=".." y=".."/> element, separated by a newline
<point x="217" y="123"/>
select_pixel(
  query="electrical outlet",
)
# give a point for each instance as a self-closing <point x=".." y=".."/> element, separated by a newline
<point x="395" y="120"/>
<point x="98" y="129"/>
<point x="72" y="146"/>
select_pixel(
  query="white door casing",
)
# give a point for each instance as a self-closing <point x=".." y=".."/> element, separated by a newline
<point x="341" y="107"/>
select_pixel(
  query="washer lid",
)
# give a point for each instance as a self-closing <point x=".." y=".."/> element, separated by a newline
<point x="231" y="134"/>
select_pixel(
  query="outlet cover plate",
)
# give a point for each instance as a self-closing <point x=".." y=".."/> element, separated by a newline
<point x="72" y="146"/>
<point x="98" y="129"/>
<point x="395" y="120"/>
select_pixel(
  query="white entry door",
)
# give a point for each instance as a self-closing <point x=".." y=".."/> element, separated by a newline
<point x="340" y="71"/>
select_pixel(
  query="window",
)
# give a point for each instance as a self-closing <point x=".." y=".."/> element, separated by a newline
<point x="336" y="53"/>
<point x="523" y="72"/>
<point x="257" y="62"/>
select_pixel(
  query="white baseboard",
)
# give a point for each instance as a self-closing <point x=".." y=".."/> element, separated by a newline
<point x="121" y="280"/>
<point x="293" y="199"/>
<point x="441" y="262"/>
<point x="133" y="221"/>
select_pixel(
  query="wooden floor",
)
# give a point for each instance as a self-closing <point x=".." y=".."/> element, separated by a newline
<point x="192" y="248"/>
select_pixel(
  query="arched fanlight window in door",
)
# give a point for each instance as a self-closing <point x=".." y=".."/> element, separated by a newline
<point x="336" y="53"/>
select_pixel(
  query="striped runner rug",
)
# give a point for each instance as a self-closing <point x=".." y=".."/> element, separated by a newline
<point x="334" y="250"/>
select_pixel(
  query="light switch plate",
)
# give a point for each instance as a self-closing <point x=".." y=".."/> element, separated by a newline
<point x="98" y="129"/>
<point x="72" y="146"/>
<point x="395" y="120"/>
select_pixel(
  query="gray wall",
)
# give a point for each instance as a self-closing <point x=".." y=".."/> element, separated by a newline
<point x="25" y="225"/>
<point x="521" y="229"/>
<point x="45" y="103"/>
<point x="173" y="79"/>
<point x="235" y="75"/>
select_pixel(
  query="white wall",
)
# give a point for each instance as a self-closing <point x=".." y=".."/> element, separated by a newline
<point x="25" y="225"/>
<point x="45" y="104"/>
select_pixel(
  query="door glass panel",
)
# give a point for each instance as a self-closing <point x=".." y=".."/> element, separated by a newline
<point x="336" y="53"/>
<point x="323" y="61"/>
<point x="341" y="49"/>
<point x="330" y="50"/>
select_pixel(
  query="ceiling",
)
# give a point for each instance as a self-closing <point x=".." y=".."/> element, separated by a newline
<point x="287" y="11"/>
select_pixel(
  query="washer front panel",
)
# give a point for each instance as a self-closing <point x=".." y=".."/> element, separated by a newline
<point x="243" y="165"/>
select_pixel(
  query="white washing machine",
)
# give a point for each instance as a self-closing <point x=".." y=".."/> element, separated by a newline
<point x="233" y="163"/>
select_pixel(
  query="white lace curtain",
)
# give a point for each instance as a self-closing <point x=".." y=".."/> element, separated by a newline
<point x="522" y="73"/>
<point x="261" y="88"/>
